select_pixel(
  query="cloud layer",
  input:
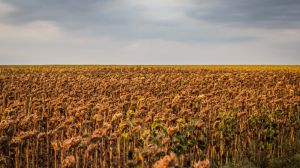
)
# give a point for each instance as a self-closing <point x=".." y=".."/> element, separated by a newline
<point x="149" y="32"/>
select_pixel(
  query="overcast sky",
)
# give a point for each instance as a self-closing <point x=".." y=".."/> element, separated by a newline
<point x="149" y="32"/>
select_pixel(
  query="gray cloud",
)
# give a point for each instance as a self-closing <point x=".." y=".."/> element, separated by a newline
<point x="123" y="19"/>
<point x="118" y="19"/>
<point x="109" y="17"/>
<point x="78" y="13"/>
<point x="69" y="12"/>
<point x="255" y="13"/>
<point x="150" y="31"/>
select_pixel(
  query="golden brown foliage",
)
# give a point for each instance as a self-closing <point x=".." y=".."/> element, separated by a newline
<point x="135" y="116"/>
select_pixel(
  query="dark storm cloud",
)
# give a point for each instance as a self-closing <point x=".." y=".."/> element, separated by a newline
<point x="254" y="13"/>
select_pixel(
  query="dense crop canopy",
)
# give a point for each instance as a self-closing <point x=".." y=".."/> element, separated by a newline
<point x="147" y="116"/>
